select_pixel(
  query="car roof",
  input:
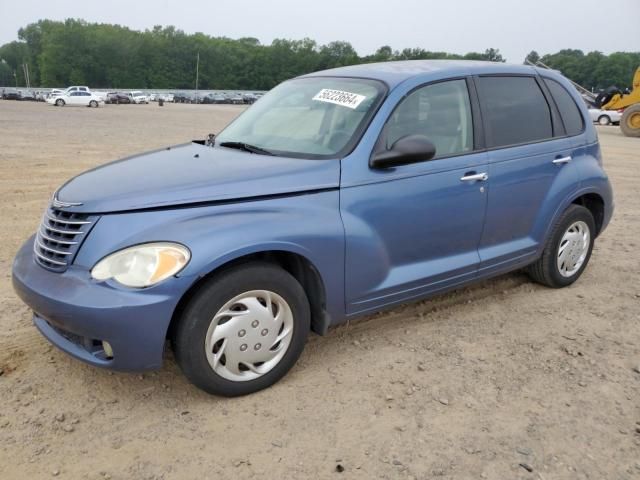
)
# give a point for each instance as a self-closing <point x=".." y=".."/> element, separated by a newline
<point x="396" y="72"/>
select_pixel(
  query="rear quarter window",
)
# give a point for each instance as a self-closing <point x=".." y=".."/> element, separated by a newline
<point x="571" y="116"/>
<point x="515" y="110"/>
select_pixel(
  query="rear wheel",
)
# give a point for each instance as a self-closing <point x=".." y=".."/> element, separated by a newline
<point x="568" y="249"/>
<point x="630" y="121"/>
<point x="59" y="103"/>
<point x="604" y="120"/>
<point x="243" y="330"/>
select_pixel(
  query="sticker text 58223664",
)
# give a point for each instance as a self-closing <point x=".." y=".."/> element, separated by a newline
<point x="344" y="99"/>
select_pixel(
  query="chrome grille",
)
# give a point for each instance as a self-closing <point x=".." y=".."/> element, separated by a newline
<point x="59" y="237"/>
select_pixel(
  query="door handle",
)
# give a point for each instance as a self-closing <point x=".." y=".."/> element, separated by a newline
<point x="473" y="177"/>
<point x="562" y="160"/>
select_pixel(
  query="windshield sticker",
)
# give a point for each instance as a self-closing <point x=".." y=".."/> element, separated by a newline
<point x="344" y="99"/>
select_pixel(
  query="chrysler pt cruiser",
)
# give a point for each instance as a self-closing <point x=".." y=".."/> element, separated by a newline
<point x="338" y="194"/>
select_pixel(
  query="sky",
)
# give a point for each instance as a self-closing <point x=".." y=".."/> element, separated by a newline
<point x="455" y="26"/>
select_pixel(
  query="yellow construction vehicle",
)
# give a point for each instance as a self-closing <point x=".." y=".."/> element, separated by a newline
<point x="614" y="99"/>
<point x="630" y="102"/>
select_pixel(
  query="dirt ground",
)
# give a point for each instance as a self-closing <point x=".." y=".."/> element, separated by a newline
<point x="504" y="380"/>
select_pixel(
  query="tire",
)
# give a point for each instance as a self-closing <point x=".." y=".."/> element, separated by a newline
<point x="630" y="121"/>
<point x="59" y="103"/>
<point x="93" y="104"/>
<point x="546" y="269"/>
<point x="604" y="120"/>
<point x="197" y="334"/>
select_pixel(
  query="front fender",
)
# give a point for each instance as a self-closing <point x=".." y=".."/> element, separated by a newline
<point x="305" y="224"/>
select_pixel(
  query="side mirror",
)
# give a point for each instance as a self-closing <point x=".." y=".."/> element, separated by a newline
<point x="406" y="150"/>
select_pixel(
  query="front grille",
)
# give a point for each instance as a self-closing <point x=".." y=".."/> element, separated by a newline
<point x="59" y="238"/>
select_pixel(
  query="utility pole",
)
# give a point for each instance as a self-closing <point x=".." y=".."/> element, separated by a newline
<point x="25" y="70"/>
<point x="197" y="72"/>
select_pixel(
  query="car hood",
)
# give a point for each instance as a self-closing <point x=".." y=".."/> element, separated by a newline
<point x="190" y="174"/>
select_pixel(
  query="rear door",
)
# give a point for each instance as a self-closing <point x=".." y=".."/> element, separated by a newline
<point x="530" y="155"/>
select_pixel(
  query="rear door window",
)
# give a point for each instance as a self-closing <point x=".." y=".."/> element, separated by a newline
<point x="515" y="110"/>
<point x="571" y="116"/>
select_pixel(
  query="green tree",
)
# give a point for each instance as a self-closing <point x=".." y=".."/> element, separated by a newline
<point x="15" y="54"/>
<point x="532" y="57"/>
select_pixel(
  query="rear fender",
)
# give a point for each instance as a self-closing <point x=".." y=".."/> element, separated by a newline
<point x="587" y="167"/>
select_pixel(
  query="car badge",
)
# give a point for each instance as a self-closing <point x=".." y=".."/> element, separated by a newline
<point x="60" y="204"/>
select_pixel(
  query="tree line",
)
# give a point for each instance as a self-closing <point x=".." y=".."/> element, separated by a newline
<point x="593" y="70"/>
<point x="75" y="52"/>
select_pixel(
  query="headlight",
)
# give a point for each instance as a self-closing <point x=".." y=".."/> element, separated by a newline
<point x="142" y="265"/>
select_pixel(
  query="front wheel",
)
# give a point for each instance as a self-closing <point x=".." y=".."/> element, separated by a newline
<point x="93" y="104"/>
<point x="59" y="103"/>
<point x="243" y="330"/>
<point x="630" y="121"/>
<point x="604" y="120"/>
<point x="568" y="249"/>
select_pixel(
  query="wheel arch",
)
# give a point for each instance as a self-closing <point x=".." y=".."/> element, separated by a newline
<point x="298" y="265"/>
<point x="591" y="198"/>
<point x="595" y="204"/>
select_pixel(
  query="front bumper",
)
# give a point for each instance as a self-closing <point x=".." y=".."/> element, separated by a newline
<point x="77" y="313"/>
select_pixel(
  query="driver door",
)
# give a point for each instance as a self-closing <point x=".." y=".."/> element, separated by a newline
<point x="415" y="229"/>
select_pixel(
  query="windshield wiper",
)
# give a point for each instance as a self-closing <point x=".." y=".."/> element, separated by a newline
<point x="247" y="147"/>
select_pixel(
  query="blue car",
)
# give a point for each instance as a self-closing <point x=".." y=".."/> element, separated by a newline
<point x="338" y="194"/>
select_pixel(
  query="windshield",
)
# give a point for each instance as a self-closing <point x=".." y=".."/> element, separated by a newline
<point x="316" y="117"/>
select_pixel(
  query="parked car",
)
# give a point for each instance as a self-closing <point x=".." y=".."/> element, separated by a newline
<point x="235" y="98"/>
<point x="249" y="98"/>
<point x="54" y="93"/>
<point x="82" y="88"/>
<point x="137" y="96"/>
<point x="181" y="97"/>
<point x="426" y="176"/>
<point x="117" y="98"/>
<point x="200" y="97"/>
<point x="605" y="117"/>
<point x="27" y="95"/>
<point x="10" y="94"/>
<point x="219" y="98"/>
<point x="102" y="95"/>
<point x="76" y="98"/>
<point x="207" y="98"/>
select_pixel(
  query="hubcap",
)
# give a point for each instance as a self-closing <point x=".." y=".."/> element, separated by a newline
<point x="634" y="120"/>
<point x="249" y="335"/>
<point x="573" y="248"/>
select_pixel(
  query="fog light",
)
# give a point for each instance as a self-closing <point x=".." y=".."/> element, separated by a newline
<point x="108" y="351"/>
